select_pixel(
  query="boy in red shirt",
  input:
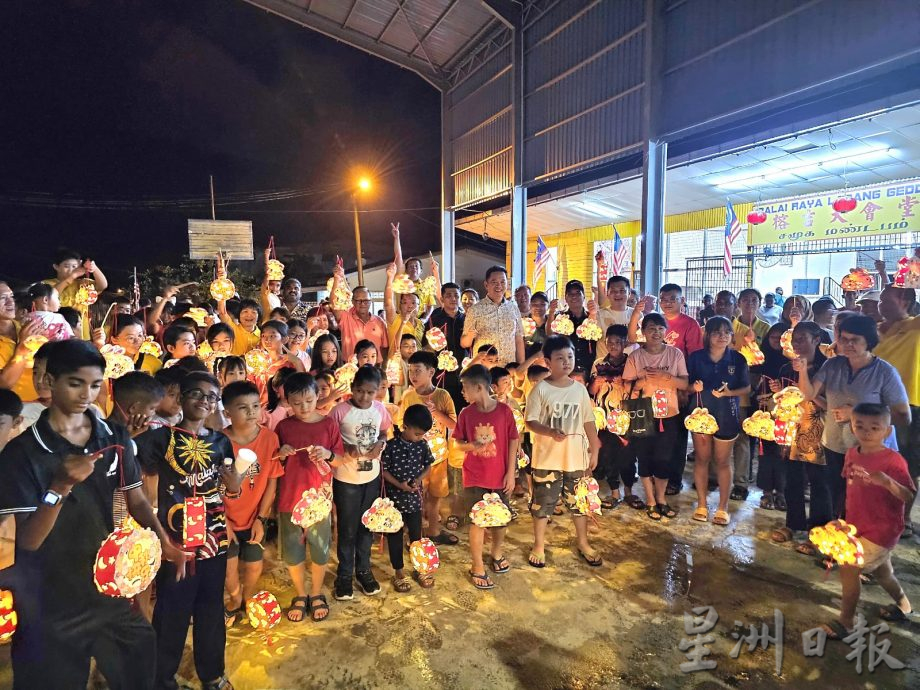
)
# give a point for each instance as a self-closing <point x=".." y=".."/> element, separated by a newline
<point x="303" y="470"/>
<point x="878" y="486"/>
<point x="487" y="433"/>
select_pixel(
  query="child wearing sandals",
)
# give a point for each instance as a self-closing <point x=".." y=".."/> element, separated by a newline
<point x="487" y="433"/>
<point x="405" y="462"/>
<point x="879" y="485"/>
<point x="565" y="447"/>
<point x="304" y="470"/>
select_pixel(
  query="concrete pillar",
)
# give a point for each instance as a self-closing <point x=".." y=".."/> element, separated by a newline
<point x="448" y="234"/>
<point x="653" y="183"/>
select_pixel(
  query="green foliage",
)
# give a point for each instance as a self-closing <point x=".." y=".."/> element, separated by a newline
<point x="156" y="278"/>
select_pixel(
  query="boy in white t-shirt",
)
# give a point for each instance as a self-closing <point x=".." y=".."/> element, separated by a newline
<point x="565" y="446"/>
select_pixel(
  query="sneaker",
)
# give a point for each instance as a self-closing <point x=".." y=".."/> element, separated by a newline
<point x="367" y="583"/>
<point x="343" y="591"/>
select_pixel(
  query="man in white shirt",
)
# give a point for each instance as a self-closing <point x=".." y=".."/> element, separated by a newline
<point x="495" y="320"/>
<point x="612" y="309"/>
<point x="770" y="311"/>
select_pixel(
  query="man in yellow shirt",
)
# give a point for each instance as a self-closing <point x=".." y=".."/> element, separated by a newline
<point x="68" y="280"/>
<point x="900" y="347"/>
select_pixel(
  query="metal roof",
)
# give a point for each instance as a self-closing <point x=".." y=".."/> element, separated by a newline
<point x="429" y="37"/>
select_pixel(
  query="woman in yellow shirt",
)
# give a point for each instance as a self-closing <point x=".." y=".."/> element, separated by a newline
<point x="128" y="333"/>
<point x="15" y="360"/>
<point x="406" y="319"/>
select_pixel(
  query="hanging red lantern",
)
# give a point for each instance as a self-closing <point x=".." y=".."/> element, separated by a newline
<point x="757" y="217"/>
<point x="844" y="204"/>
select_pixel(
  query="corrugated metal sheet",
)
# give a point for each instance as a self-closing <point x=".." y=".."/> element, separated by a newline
<point x="483" y="181"/>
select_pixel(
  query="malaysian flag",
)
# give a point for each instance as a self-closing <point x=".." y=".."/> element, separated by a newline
<point x="732" y="230"/>
<point x="620" y="258"/>
<point x="540" y="260"/>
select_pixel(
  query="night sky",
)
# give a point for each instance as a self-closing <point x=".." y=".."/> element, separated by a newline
<point x="136" y="102"/>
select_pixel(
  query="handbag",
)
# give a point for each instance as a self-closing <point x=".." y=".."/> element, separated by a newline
<point x="641" y="415"/>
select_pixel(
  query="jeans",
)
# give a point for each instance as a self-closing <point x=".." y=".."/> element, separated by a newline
<point x="353" y="546"/>
<point x="413" y="523"/>
<point x="199" y="595"/>
<point x="820" y="512"/>
<point x="836" y="482"/>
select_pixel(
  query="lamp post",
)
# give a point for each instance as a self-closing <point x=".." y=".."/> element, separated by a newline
<point x="364" y="184"/>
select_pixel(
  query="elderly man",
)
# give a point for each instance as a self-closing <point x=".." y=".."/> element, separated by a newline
<point x="495" y="320"/>
<point x="358" y="323"/>
<point x="522" y="297"/>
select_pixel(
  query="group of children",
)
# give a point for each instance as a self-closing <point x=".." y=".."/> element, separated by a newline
<point x="91" y="450"/>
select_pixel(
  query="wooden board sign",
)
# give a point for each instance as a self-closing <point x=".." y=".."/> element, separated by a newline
<point x="208" y="237"/>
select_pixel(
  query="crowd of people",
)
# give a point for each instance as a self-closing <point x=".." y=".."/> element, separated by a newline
<point x="335" y="399"/>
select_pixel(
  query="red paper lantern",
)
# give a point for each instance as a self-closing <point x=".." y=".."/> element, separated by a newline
<point x="844" y="204"/>
<point x="8" y="618"/>
<point x="263" y="611"/>
<point x="127" y="562"/>
<point x="194" y="527"/>
<point x="757" y="217"/>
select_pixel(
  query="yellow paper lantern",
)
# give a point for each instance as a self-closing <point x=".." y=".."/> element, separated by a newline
<point x="518" y="420"/>
<point x="382" y="517"/>
<point x="618" y="421"/>
<point x="9" y="620"/>
<point x="586" y="498"/>
<point x="127" y="561"/>
<point x="403" y="285"/>
<point x="426" y="289"/>
<point x="257" y="362"/>
<point x="701" y="422"/>
<point x="274" y="270"/>
<point x="562" y="325"/>
<point x="490" y="512"/>
<point x="222" y="289"/>
<point x="438" y="446"/>
<point x="857" y="279"/>
<point x="345" y="374"/>
<point x="447" y="361"/>
<point x="33" y="344"/>
<point x="523" y="461"/>
<point x="86" y="294"/>
<point x="263" y="611"/>
<point x="790" y="396"/>
<point x="785" y="342"/>
<point x="788" y="414"/>
<point x="752" y="353"/>
<point x="394" y="369"/>
<point x="828" y="349"/>
<point x="313" y="506"/>
<point x="199" y="315"/>
<point x="589" y="330"/>
<point x="423" y="555"/>
<point x="316" y="335"/>
<point x="838" y="540"/>
<point x="436" y="338"/>
<point x="600" y="418"/>
<point x="117" y="363"/>
<point x="530" y="326"/>
<point x="341" y="296"/>
<point x="759" y="425"/>
<point x="152" y="347"/>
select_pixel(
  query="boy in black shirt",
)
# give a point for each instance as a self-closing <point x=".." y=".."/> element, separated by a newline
<point x="59" y="479"/>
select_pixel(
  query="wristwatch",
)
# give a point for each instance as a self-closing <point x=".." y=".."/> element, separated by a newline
<point x="52" y="498"/>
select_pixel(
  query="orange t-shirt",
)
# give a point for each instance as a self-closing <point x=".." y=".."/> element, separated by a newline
<point x="242" y="511"/>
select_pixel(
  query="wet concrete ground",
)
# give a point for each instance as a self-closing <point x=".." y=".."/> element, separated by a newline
<point x="572" y="626"/>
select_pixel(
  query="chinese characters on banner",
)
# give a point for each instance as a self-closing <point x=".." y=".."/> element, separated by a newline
<point x="883" y="209"/>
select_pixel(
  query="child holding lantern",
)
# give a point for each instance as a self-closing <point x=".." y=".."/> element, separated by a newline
<point x="246" y="334"/>
<point x="720" y="376"/>
<point x="311" y="444"/>
<point x="406" y="461"/>
<point x="879" y="487"/>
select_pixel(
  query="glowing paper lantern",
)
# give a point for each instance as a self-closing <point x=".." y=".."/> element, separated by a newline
<point x="438" y="446"/>
<point x="522" y="460"/>
<point x="436" y="338"/>
<point x="785" y="342"/>
<point x="222" y="289"/>
<point x="426" y="288"/>
<point x="618" y="421"/>
<point x="170" y="363"/>
<point x="838" y="540"/>
<point x="447" y="361"/>
<point x="127" y="561"/>
<point x="466" y="362"/>
<point x="518" y="420"/>
<point x="701" y="422"/>
<point x="86" y="294"/>
<point x="382" y="517"/>
<point x="394" y="369"/>
<point x="757" y="217"/>
<point x="752" y="353"/>
<point x="345" y="374"/>
<point x="313" y="506"/>
<point x="341" y="296"/>
<point x="857" y="279"/>
<point x="589" y="330"/>
<point x="828" y="350"/>
<point x="316" y="335"/>
<point x="784" y="432"/>
<point x="274" y="270"/>
<point x="194" y="525"/>
<point x="788" y="414"/>
<point x="403" y="285"/>
<point x="790" y="396"/>
<point x="423" y="555"/>
<point x="586" y="498"/>
<point x="8" y="618"/>
<point x="600" y="418"/>
<point x="660" y="403"/>
<point x="33" y="343"/>
<point x="199" y="315"/>
<point x="263" y="611"/>
<point x="562" y="325"/>
<point x="152" y="347"/>
<point x="759" y="425"/>
<point x="530" y="326"/>
<point x="490" y="512"/>
<point x="117" y="363"/>
<point x="844" y="204"/>
<point x="908" y="273"/>
<point x="257" y="362"/>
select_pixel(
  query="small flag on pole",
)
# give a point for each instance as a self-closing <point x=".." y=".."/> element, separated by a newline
<point x="136" y="301"/>
<point x="620" y="258"/>
<point x="540" y="260"/>
<point x="732" y="230"/>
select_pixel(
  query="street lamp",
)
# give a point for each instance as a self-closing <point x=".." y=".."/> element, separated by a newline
<point x="364" y="185"/>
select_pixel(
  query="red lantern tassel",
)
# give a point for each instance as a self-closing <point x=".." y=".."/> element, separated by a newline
<point x="760" y="443"/>
<point x="660" y="425"/>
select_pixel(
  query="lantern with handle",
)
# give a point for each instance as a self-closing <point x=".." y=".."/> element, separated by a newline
<point x="700" y="421"/>
<point x="618" y="421"/>
<point x="423" y="555"/>
<point x="586" y="496"/>
<point x="562" y="325"/>
<point x="127" y="561"/>
<point x="257" y="362"/>
<point x="530" y="326"/>
<point x="589" y="330"/>
<point x="312" y="507"/>
<point x="447" y="361"/>
<point x="382" y="517"/>
<point x="263" y="611"/>
<point x="837" y="539"/>
<point x="436" y="338"/>
<point x="490" y="512"/>
<point x="274" y="270"/>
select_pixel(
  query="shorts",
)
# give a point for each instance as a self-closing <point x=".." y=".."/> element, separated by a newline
<point x="455" y="480"/>
<point x="435" y="482"/>
<point x="473" y="494"/>
<point x="874" y="556"/>
<point x="654" y="451"/>
<point x="294" y="539"/>
<point x="243" y="549"/>
<point x="548" y="485"/>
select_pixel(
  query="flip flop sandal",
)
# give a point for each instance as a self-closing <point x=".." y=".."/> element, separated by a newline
<point x="667" y="511"/>
<point x="766" y="502"/>
<point x="445" y="539"/>
<point x="500" y="565"/>
<point x="425" y="581"/>
<point x="806" y="548"/>
<point x="720" y="518"/>
<point x="536" y="561"/>
<point x="301" y="604"/>
<point x="673" y="489"/>
<point x="481" y="581"/>
<point x="779" y="502"/>
<point x="894" y="614"/>
<point x="323" y="605"/>
<point x="836" y="631"/>
<point x="452" y="523"/>
<point x="701" y="515"/>
<point x="610" y="503"/>
<point x="634" y="501"/>
<point x="652" y="512"/>
<point x="594" y="562"/>
<point x="402" y="584"/>
<point x="232" y="617"/>
<point x="781" y="535"/>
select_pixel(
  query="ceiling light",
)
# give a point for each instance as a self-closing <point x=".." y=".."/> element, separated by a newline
<point x="812" y="166"/>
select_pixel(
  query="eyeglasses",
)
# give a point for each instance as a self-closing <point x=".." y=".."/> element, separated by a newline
<point x="298" y="337"/>
<point x="361" y="301"/>
<point x="198" y="394"/>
